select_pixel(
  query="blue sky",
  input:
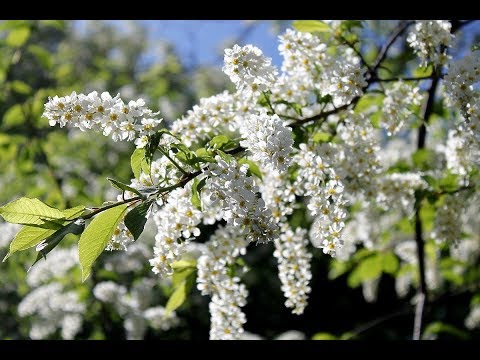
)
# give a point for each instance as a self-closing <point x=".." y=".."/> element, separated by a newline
<point x="203" y="41"/>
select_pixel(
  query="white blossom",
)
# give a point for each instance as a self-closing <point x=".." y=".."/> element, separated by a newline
<point x="429" y="39"/>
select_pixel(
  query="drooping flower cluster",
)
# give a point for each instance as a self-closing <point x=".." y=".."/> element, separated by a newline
<point x="177" y="221"/>
<point x="249" y="69"/>
<point x="268" y="139"/>
<point x="472" y="321"/>
<point x="461" y="76"/>
<point x="278" y="193"/>
<point x="320" y="182"/>
<point x="105" y="114"/>
<point x="429" y="39"/>
<point x="213" y="116"/>
<point x="134" y="307"/>
<point x="51" y="307"/>
<point x="461" y="152"/>
<point x="57" y="264"/>
<point x="447" y="226"/>
<point x="228" y="295"/>
<point x="399" y="100"/>
<point x="120" y="239"/>
<point x="229" y="184"/>
<point x="397" y="190"/>
<point x="406" y="251"/>
<point x="306" y="57"/>
<point x="294" y="267"/>
<point x="358" y="159"/>
<point x="7" y="233"/>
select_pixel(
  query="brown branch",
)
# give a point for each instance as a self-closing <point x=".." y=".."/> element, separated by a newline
<point x="402" y="26"/>
<point x="422" y="298"/>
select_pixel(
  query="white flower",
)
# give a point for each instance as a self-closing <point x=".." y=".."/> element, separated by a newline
<point x="249" y="69"/>
<point x="176" y="221"/>
<point x="268" y="139"/>
<point x="429" y="39"/>
<point x="236" y="192"/>
<point x="397" y="106"/>
<point x="294" y="267"/>
<point x="228" y="295"/>
<point x="105" y="114"/>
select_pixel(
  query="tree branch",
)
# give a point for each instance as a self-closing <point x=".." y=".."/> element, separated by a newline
<point x="422" y="297"/>
<point x="402" y="26"/>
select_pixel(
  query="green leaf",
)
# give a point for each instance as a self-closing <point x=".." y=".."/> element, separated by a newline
<point x="390" y="262"/>
<point x="439" y="327"/>
<point x="253" y="168"/>
<point x="226" y="157"/>
<point x="17" y="37"/>
<point x="449" y="182"/>
<point x="136" y="219"/>
<point x="74" y="212"/>
<point x="181" y="274"/>
<point x="43" y="56"/>
<point x="183" y="264"/>
<point x="369" y="101"/>
<point x="136" y="161"/>
<point x="320" y="137"/>
<point x="337" y="268"/>
<point x="29" y="236"/>
<point x="218" y="142"/>
<point x="12" y="24"/>
<point x="324" y="336"/>
<point x="311" y="26"/>
<point x="195" y="198"/>
<point x="59" y="24"/>
<point x="368" y="269"/>
<point x="177" y="298"/>
<point x="423" y="71"/>
<point x="29" y="212"/>
<point x="20" y="87"/>
<point x="14" y="115"/>
<point x="423" y="158"/>
<point x="96" y="237"/>
<point x="53" y="240"/>
<point x="123" y="187"/>
<point x="179" y="295"/>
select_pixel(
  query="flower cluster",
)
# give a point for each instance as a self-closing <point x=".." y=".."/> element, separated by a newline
<point x="460" y="79"/>
<point x="429" y="39"/>
<point x="213" y="116"/>
<point x="249" y="69"/>
<point x="398" y="190"/>
<point x="228" y="295"/>
<point x="279" y="194"/>
<point x="305" y="57"/>
<point x="134" y="307"/>
<point x="461" y="152"/>
<point x="229" y="184"/>
<point x="268" y="139"/>
<point x="358" y="160"/>
<point x="105" y="114"/>
<point x="56" y="265"/>
<point x="7" y="233"/>
<point x="447" y="226"/>
<point x="120" y="239"/>
<point x="177" y="221"/>
<point x="294" y="267"/>
<point x="52" y="308"/>
<point x="399" y="100"/>
<point x="318" y="180"/>
<point x="472" y="321"/>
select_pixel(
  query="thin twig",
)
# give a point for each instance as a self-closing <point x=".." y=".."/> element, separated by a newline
<point x="391" y="40"/>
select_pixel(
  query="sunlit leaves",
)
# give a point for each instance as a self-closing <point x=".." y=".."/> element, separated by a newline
<point x="96" y="237"/>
